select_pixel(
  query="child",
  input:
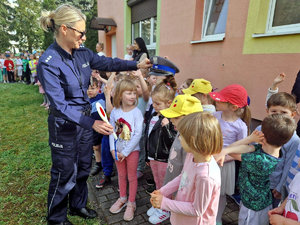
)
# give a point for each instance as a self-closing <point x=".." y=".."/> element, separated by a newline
<point x="198" y="185"/>
<point x="159" y="136"/>
<point x="129" y="51"/>
<point x="234" y="117"/>
<point x="288" y="212"/>
<point x="282" y="103"/>
<point x="257" y="166"/>
<point x="127" y="120"/>
<point x="200" y="89"/>
<point x="184" y="85"/>
<point x="9" y="65"/>
<point x="94" y="96"/>
<point x="151" y="79"/>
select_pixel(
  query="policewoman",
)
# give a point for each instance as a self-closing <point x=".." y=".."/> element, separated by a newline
<point x="64" y="71"/>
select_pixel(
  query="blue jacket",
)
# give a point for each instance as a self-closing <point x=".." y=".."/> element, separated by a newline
<point x="65" y="79"/>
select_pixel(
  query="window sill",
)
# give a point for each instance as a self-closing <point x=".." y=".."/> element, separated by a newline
<point x="205" y="40"/>
<point x="275" y="34"/>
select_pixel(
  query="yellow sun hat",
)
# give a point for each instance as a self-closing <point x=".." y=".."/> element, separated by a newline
<point x="182" y="105"/>
<point x="198" y="86"/>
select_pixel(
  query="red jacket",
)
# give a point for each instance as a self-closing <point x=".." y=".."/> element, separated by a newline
<point x="9" y="65"/>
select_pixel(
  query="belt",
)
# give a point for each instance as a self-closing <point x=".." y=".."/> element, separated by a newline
<point x="86" y="110"/>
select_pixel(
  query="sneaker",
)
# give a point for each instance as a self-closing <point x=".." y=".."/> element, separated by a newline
<point x="129" y="212"/>
<point x="43" y="104"/>
<point x="159" y="216"/>
<point x="96" y="169"/>
<point x="150" y="189"/>
<point x="139" y="174"/>
<point x="150" y="181"/>
<point x="118" y="206"/>
<point x="103" y="181"/>
<point x="151" y="211"/>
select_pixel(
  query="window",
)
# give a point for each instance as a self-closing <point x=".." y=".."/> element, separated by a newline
<point x="146" y="29"/>
<point x="284" y="16"/>
<point x="214" y="20"/>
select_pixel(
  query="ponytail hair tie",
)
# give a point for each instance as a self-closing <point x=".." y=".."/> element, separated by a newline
<point x="52" y="26"/>
<point x="168" y="85"/>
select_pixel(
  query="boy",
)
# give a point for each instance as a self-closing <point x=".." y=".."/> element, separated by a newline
<point x="200" y="88"/>
<point x="100" y="143"/>
<point x="257" y="165"/>
<point x="282" y="103"/>
<point x="181" y="106"/>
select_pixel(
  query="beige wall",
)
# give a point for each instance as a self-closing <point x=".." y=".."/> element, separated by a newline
<point x="113" y="9"/>
<point x="223" y="62"/>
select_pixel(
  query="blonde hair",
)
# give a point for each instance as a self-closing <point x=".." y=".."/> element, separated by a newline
<point x="202" y="133"/>
<point x="123" y="85"/>
<point x="245" y="115"/>
<point x="166" y="89"/>
<point x="64" y="14"/>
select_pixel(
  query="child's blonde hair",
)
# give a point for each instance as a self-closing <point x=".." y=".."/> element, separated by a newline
<point x="123" y="85"/>
<point x="202" y="133"/>
<point x="166" y="89"/>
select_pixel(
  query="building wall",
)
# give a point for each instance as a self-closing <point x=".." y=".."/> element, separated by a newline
<point x="239" y="58"/>
<point x="234" y="60"/>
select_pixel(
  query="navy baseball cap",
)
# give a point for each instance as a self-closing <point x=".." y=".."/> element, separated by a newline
<point x="162" y="67"/>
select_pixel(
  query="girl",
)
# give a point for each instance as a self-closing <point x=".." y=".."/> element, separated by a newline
<point x="159" y="136"/>
<point x="127" y="121"/>
<point x="184" y="85"/>
<point x="234" y="118"/>
<point x="198" y="185"/>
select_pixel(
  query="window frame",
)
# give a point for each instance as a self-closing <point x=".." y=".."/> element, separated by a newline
<point x="152" y="45"/>
<point x="284" y="29"/>
<point x="206" y="17"/>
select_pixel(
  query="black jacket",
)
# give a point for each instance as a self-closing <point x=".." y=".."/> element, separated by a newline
<point x="160" y="140"/>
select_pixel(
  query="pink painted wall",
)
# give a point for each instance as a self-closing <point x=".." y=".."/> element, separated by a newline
<point x="223" y="62"/>
<point x="113" y="9"/>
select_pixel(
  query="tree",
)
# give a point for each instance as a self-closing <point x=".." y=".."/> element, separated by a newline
<point x="28" y="33"/>
<point x="5" y="21"/>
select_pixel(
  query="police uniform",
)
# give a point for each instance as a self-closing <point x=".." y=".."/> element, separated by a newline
<point x="65" y="79"/>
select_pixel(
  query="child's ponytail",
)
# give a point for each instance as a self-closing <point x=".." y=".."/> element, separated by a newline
<point x="245" y="114"/>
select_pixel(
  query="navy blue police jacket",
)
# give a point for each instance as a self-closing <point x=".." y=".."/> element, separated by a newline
<point x="65" y="79"/>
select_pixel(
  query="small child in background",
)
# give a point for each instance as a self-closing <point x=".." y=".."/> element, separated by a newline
<point x="256" y="167"/>
<point x="127" y="121"/>
<point x="288" y="212"/>
<point x="159" y="136"/>
<point x="46" y="102"/>
<point x="200" y="88"/>
<point x="184" y="85"/>
<point x="152" y="80"/>
<point x="129" y="51"/>
<point x="198" y="185"/>
<point x="234" y="117"/>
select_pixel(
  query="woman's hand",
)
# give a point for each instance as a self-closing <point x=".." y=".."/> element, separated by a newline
<point x="145" y="64"/>
<point x="102" y="127"/>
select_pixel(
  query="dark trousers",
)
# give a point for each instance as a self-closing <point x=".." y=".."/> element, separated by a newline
<point x="71" y="151"/>
<point x="106" y="157"/>
<point x="10" y="76"/>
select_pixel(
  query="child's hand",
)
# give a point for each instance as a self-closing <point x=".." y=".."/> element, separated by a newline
<point x="164" y="122"/>
<point x="113" y="154"/>
<point x="256" y="136"/>
<point x="121" y="157"/>
<point x="220" y="158"/>
<point x="97" y="76"/>
<point x="156" y="199"/>
<point x="276" y="219"/>
<point x="276" y="194"/>
<point x="279" y="211"/>
<point x="137" y="73"/>
<point x="280" y="78"/>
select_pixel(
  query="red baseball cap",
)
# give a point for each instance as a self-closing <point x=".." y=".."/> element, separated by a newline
<point x="234" y="94"/>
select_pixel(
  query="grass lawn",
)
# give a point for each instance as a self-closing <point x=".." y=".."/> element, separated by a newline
<point x="25" y="159"/>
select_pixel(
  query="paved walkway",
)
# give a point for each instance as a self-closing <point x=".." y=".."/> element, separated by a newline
<point x="103" y="198"/>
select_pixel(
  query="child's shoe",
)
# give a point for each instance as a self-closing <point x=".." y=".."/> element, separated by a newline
<point x="159" y="216"/>
<point x="151" y="211"/>
<point x="129" y="212"/>
<point x="103" y="181"/>
<point x="118" y="206"/>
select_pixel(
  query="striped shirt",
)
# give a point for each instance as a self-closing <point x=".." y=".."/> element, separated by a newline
<point x="294" y="168"/>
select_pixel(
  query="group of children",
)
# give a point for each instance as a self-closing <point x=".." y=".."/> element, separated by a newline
<point x="182" y="134"/>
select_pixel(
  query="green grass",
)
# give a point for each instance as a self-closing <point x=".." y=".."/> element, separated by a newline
<point x="25" y="159"/>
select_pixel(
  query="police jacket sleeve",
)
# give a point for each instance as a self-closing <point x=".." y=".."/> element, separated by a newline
<point x="48" y="75"/>
<point x="103" y="63"/>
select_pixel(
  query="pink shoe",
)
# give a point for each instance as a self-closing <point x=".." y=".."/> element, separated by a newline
<point x="118" y="206"/>
<point x="129" y="212"/>
<point x="44" y="104"/>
